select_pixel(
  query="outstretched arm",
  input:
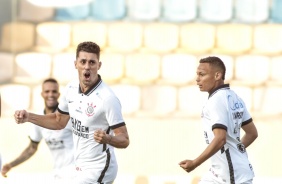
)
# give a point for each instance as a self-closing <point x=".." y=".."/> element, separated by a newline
<point x="53" y="121"/>
<point x="26" y="154"/>
<point x="250" y="134"/>
<point x="216" y="144"/>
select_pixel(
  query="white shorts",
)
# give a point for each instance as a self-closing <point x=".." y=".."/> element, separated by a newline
<point x="209" y="178"/>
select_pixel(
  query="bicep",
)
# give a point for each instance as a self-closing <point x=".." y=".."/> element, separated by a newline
<point x="62" y="119"/>
<point x="250" y="128"/>
<point x="121" y="131"/>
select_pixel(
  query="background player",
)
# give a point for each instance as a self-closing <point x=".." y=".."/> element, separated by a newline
<point x="223" y="115"/>
<point x="60" y="142"/>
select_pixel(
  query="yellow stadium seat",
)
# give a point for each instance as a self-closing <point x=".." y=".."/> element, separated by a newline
<point x="6" y="67"/>
<point x="112" y="69"/>
<point x="234" y="38"/>
<point x="14" y="97"/>
<point x="17" y="36"/>
<point x="178" y="69"/>
<point x="130" y="103"/>
<point x="161" y="37"/>
<point x="252" y="69"/>
<point x="89" y="31"/>
<point x="124" y="37"/>
<point x="197" y="38"/>
<point x="268" y="39"/>
<point x="158" y="101"/>
<point x="142" y="68"/>
<point x="53" y="37"/>
<point x="32" y="67"/>
<point x="30" y="12"/>
<point x="275" y="70"/>
<point x="63" y="68"/>
<point x="196" y="99"/>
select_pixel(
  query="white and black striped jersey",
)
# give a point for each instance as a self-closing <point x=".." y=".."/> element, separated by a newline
<point x="97" y="108"/>
<point x="224" y="109"/>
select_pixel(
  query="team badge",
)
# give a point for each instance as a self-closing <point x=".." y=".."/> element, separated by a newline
<point x="90" y="109"/>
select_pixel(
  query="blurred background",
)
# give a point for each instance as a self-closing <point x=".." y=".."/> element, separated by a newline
<point x="150" y="51"/>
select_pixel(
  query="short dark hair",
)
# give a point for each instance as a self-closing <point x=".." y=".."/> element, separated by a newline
<point x="215" y="62"/>
<point x="50" y="80"/>
<point x="90" y="47"/>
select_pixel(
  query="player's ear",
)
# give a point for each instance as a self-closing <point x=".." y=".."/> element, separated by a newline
<point x="218" y="75"/>
<point x="100" y="64"/>
<point x="75" y="62"/>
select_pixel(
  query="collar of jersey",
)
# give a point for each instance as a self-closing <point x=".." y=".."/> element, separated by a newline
<point x="224" y="86"/>
<point x="90" y="90"/>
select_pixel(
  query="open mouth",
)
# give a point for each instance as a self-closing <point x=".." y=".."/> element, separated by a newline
<point x="87" y="75"/>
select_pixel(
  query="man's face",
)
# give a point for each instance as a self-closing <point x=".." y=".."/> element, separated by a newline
<point x="50" y="94"/>
<point x="206" y="77"/>
<point x="87" y="65"/>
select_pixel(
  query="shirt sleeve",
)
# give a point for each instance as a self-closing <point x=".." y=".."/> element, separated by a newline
<point x="35" y="133"/>
<point x="113" y="112"/>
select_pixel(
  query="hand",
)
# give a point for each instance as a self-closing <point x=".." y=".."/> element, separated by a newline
<point x="6" y="168"/>
<point x="188" y="165"/>
<point x="101" y="137"/>
<point x="21" y="116"/>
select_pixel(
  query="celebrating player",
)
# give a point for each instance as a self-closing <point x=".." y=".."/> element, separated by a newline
<point x="223" y="115"/>
<point x="96" y="117"/>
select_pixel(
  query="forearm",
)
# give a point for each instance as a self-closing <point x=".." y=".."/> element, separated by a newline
<point x="248" y="139"/>
<point x="118" y="141"/>
<point x="49" y="121"/>
<point x="26" y="154"/>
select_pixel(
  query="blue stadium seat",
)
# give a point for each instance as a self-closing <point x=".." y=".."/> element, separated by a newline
<point x="276" y="11"/>
<point x="78" y="12"/>
<point x="216" y="11"/>
<point x="179" y="10"/>
<point x="251" y="11"/>
<point x="145" y="10"/>
<point x="108" y="9"/>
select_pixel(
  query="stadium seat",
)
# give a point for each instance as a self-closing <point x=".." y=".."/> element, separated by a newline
<point x="251" y="11"/>
<point x="275" y="8"/>
<point x="52" y="37"/>
<point x="32" y="13"/>
<point x="161" y="37"/>
<point x="197" y="38"/>
<point x="89" y="31"/>
<point x="72" y="13"/>
<point x="234" y="38"/>
<point x="145" y="10"/>
<point x="142" y="68"/>
<point x="252" y="70"/>
<point x="275" y="70"/>
<point x="112" y="69"/>
<point x="228" y="61"/>
<point x="179" y="10"/>
<point x="17" y="36"/>
<point x="130" y="103"/>
<point x="268" y="39"/>
<point x="14" y="97"/>
<point x="216" y="11"/>
<point x="267" y="100"/>
<point x="124" y="37"/>
<point x="158" y="100"/>
<point x="196" y="99"/>
<point x="63" y="68"/>
<point x="5" y="13"/>
<point x="6" y="67"/>
<point x="32" y="67"/>
<point x="108" y="10"/>
<point x="178" y="69"/>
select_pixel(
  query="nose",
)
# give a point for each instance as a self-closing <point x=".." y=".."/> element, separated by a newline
<point x="197" y="78"/>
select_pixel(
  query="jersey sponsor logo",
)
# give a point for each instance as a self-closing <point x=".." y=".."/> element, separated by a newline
<point x="90" y="109"/>
<point x="234" y="104"/>
<point x="206" y="137"/>
<point x="241" y="148"/>
<point x="78" y="129"/>
<point x="55" y="144"/>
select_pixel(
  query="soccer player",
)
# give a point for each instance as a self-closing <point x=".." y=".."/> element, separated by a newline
<point x="59" y="142"/>
<point x="97" y="122"/>
<point x="223" y="115"/>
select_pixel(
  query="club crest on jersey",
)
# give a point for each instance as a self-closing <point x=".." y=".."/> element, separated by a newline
<point x="90" y="109"/>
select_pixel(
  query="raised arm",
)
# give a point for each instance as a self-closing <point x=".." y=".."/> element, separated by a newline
<point x="53" y="121"/>
<point x="250" y="134"/>
<point x="26" y="154"/>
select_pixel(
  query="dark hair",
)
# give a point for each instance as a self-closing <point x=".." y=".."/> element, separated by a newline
<point x="50" y="80"/>
<point x="90" y="47"/>
<point x="216" y="63"/>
